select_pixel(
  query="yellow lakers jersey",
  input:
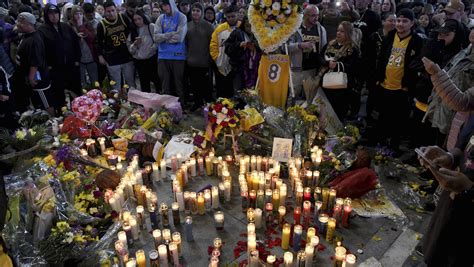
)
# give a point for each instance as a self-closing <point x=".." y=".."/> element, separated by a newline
<point x="273" y="76"/>
<point x="395" y="67"/>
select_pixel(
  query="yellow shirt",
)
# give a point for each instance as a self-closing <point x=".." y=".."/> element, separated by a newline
<point x="395" y="67"/>
<point x="273" y="78"/>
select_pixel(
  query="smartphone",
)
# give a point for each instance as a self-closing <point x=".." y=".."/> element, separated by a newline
<point x="425" y="159"/>
<point x="38" y="76"/>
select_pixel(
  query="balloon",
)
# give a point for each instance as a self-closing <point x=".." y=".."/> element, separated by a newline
<point x="88" y="106"/>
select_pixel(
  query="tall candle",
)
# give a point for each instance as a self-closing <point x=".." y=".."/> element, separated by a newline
<point x="215" y="197"/>
<point x="114" y="204"/>
<point x="179" y="160"/>
<point x="269" y="214"/>
<point x="122" y="237"/>
<point x="166" y="235"/>
<point x="337" y="211"/>
<point x="260" y="199"/>
<point x="254" y="259"/>
<point x="283" y="193"/>
<point x="154" y="258"/>
<point x="331" y="200"/>
<point x="299" y="196"/>
<point x="163" y="252"/>
<point x="315" y="242"/>
<point x="164" y="215"/>
<point x="285" y="237"/>
<point x="214" y="262"/>
<point x="163" y="169"/>
<point x="309" y="234"/>
<point x="227" y="187"/>
<point x="140" y="258"/>
<point x="297" y="215"/>
<point x="258" y="218"/>
<point x="192" y="167"/>
<point x="309" y="253"/>
<point x="132" y="262"/>
<point x="276" y="198"/>
<point x="176" y="237"/>
<point x="345" y="215"/>
<point x="200" y="166"/>
<point x="219" y="220"/>
<point x="245" y="198"/>
<point x="194" y="203"/>
<point x="217" y="243"/>
<point x="325" y="193"/>
<point x="317" y="208"/>
<point x="208" y="166"/>
<point x="180" y="199"/>
<point x="297" y="232"/>
<point x="288" y="259"/>
<point x="200" y="203"/>
<point x="188" y="229"/>
<point x="251" y="228"/>
<point x="323" y="221"/>
<point x="135" y="228"/>
<point x="128" y="231"/>
<point x="318" y="194"/>
<point x="207" y="199"/>
<point x="306" y="212"/>
<point x="251" y="215"/>
<point x="175" y="211"/>
<point x="331" y="229"/>
<point x="156" y="172"/>
<point x="140" y="215"/>
<point x="122" y="251"/>
<point x="340" y="256"/>
<point x="157" y="237"/>
<point x="300" y="258"/>
<point x="281" y="214"/>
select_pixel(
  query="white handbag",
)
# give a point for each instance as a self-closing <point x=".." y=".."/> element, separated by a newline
<point x="335" y="80"/>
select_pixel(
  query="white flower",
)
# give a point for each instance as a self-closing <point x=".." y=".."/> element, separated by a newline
<point x="32" y="132"/>
<point x="288" y="11"/>
<point x="224" y="110"/>
<point x="276" y="6"/>
<point x="268" y="11"/>
<point x="262" y="4"/>
<point x="214" y="112"/>
<point x="69" y="238"/>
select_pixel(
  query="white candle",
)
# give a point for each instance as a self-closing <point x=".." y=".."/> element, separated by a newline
<point x="309" y="252"/>
<point x="192" y="166"/>
<point x="283" y="193"/>
<point x="114" y="204"/>
<point x="288" y="259"/>
<point x="163" y="252"/>
<point x="135" y="229"/>
<point x="215" y="197"/>
<point x="258" y="218"/>
<point x="250" y="228"/>
<point x="156" y="172"/>
<point x="157" y="237"/>
<point x="163" y="169"/>
<point x="180" y="199"/>
<point x="174" y="252"/>
<point x="227" y="187"/>
<point x="122" y="237"/>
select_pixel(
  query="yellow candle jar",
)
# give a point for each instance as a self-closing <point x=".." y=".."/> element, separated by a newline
<point x="285" y="238"/>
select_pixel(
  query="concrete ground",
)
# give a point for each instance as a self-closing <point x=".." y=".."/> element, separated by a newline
<point x="375" y="241"/>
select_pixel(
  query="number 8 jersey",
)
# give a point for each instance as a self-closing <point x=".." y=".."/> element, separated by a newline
<point x="112" y="39"/>
<point x="273" y="76"/>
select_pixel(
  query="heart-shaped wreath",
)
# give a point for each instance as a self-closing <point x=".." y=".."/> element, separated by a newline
<point x="274" y="21"/>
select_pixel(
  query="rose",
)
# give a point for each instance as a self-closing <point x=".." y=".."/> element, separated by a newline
<point x="218" y="107"/>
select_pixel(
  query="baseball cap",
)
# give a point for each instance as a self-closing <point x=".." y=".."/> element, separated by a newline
<point x="450" y="25"/>
<point x="454" y="6"/>
<point x="28" y="17"/>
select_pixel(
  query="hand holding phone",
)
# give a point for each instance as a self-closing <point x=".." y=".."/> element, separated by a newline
<point x="426" y="160"/>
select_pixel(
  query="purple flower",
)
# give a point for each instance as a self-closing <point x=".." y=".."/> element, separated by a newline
<point x="88" y="187"/>
<point x="63" y="154"/>
<point x="198" y="140"/>
<point x="97" y="194"/>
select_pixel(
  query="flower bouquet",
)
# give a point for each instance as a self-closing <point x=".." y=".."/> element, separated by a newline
<point x="381" y="158"/>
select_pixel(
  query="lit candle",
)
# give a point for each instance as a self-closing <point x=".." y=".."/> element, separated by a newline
<point x="194" y="203"/>
<point x="310" y="233"/>
<point x="214" y="262"/>
<point x="331" y="200"/>
<point x="180" y="199"/>
<point x="200" y="203"/>
<point x="122" y="237"/>
<point x="325" y="193"/>
<point x="227" y="187"/>
<point x="323" y="221"/>
<point x="350" y="260"/>
<point x="245" y="197"/>
<point x="131" y="263"/>
<point x="300" y="258"/>
<point x="288" y="259"/>
<point x="164" y="215"/>
<point x="337" y="211"/>
<point x="128" y="231"/>
<point x="163" y="252"/>
<point x="297" y="215"/>
<point x="261" y="199"/>
<point x="215" y="167"/>
<point x="317" y="194"/>
<point x="219" y="220"/>
<point x="317" y="208"/>
<point x="331" y="229"/>
<point x="283" y="193"/>
<point x="192" y="167"/>
<point x="174" y="164"/>
<point x="176" y="237"/>
<point x="306" y="212"/>
<point x="258" y="218"/>
<point x="140" y="215"/>
<point x="251" y="215"/>
<point x="298" y="231"/>
<point x="140" y="258"/>
<point x="345" y="215"/>
<point x="217" y="243"/>
<point x="215" y="197"/>
<point x="285" y="237"/>
<point x="299" y="196"/>
<point x="269" y="214"/>
<point x="102" y="144"/>
<point x="281" y="214"/>
<point x="251" y="245"/>
<point x="252" y="199"/>
<point x="309" y="253"/>
<point x="315" y="242"/>
<point x="179" y="160"/>
<point x="163" y="169"/>
<point x="264" y="164"/>
<point x="135" y="228"/>
<point x="175" y="211"/>
<point x="276" y="198"/>
<point x="188" y="229"/>
<point x="157" y="237"/>
<point x="207" y="199"/>
<point x="200" y="166"/>
<point x="251" y="228"/>
<point x="271" y="260"/>
<point x="228" y="159"/>
<point x="254" y="259"/>
<point x="316" y="177"/>
<point x="114" y="204"/>
<point x="154" y="258"/>
<point x="340" y="256"/>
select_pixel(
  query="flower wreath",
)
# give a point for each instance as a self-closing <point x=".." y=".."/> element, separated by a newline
<point x="274" y="21"/>
<point x="221" y="115"/>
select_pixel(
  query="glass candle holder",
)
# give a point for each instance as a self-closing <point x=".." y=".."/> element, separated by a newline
<point x="219" y="220"/>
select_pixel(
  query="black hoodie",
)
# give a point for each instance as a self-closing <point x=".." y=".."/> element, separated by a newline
<point x="62" y="45"/>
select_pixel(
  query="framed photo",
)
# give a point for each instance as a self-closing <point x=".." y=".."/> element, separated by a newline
<point x="282" y="149"/>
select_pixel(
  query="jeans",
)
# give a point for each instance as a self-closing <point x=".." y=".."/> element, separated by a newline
<point x="172" y="71"/>
<point x="148" y="72"/>
<point x="127" y="70"/>
<point x="92" y="72"/>
<point x="199" y="84"/>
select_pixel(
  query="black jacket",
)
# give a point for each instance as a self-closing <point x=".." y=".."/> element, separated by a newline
<point x="412" y="53"/>
<point x="62" y="45"/>
<point x="234" y="51"/>
<point x="350" y="61"/>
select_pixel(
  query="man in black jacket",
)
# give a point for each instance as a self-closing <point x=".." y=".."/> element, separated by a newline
<point x="63" y="54"/>
<point x="395" y="78"/>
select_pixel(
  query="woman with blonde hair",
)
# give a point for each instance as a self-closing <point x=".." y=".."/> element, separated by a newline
<point x="86" y="33"/>
<point x="343" y="53"/>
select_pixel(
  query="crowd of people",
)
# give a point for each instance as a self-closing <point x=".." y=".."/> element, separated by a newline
<point x="401" y="55"/>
